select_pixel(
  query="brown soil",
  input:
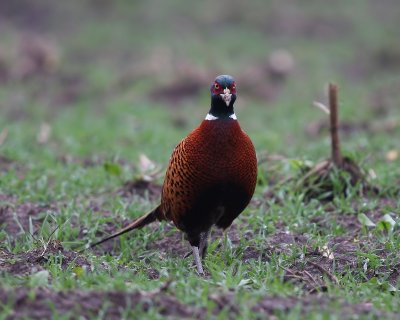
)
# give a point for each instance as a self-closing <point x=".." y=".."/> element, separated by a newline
<point x="141" y="188"/>
<point x="270" y="305"/>
<point x="312" y="269"/>
<point x="347" y="128"/>
<point x="5" y="163"/>
<point x="43" y="303"/>
<point x="40" y="303"/>
<point x="24" y="263"/>
<point x="14" y="217"/>
<point x="173" y="241"/>
<point x="177" y="93"/>
<point x="314" y="266"/>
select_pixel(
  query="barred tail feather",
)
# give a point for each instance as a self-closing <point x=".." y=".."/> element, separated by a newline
<point x="136" y="224"/>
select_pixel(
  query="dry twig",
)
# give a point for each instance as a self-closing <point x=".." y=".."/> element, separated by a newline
<point x="322" y="269"/>
<point x="334" y="124"/>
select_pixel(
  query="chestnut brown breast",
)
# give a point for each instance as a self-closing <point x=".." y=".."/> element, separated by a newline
<point x="211" y="177"/>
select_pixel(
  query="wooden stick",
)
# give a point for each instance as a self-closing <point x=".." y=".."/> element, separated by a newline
<point x="334" y="122"/>
<point x="322" y="269"/>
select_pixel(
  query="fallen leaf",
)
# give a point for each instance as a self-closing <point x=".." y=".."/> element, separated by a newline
<point x="44" y="133"/>
<point x="386" y="223"/>
<point x="392" y="155"/>
<point x="145" y="164"/>
<point x="325" y="252"/>
<point x="148" y="168"/>
<point x="365" y="221"/>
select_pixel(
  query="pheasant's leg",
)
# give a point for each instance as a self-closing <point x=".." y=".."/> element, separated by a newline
<point x="197" y="260"/>
<point x="203" y="244"/>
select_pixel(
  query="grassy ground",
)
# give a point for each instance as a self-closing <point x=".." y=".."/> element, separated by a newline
<point x="88" y="88"/>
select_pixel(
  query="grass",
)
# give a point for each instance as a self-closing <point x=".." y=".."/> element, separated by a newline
<point x="63" y="182"/>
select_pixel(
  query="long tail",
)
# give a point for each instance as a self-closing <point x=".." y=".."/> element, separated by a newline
<point x="136" y="224"/>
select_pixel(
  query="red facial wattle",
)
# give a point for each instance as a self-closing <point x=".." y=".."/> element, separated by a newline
<point x="219" y="89"/>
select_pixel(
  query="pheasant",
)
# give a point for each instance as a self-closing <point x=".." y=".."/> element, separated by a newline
<point x="211" y="176"/>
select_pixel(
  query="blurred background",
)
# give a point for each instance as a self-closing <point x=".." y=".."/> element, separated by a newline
<point x="82" y="82"/>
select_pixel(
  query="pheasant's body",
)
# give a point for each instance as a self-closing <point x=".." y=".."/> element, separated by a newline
<point x="210" y="178"/>
<point x="211" y="175"/>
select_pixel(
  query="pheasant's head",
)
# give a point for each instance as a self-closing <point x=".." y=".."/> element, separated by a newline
<point x="224" y="88"/>
<point x="223" y="96"/>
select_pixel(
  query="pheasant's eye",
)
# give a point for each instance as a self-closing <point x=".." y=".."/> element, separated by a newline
<point x="216" y="86"/>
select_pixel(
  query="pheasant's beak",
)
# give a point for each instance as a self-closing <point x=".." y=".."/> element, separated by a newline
<point x="226" y="96"/>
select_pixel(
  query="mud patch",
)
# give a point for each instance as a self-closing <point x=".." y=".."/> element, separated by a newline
<point x="43" y="303"/>
<point x="347" y="128"/>
<point x="46" y="304"/>
<point x="177" y="93"/>
<point x="281" y="242"/>
<point x="25" y="263"/>
<point x="312" y="265"/>
<point x="286" y="20"/>
<point x="15" y="218"/>
<point x="384" y="59"/>
<point x="142" y="188"/>
<point x="5" y="163"/>
<point x="279" y="305"/>
<point x="109" y="225"/>
<point x="26" y="14"/>
<point x="173" y="241"/>
<point x="364" y="257"/>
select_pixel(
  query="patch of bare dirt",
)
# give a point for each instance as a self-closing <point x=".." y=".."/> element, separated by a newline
<point x="368" y="63"/>
<point x="24" y="263"/>
<point x="315" y="264"/>
<point x="45" y="304"/>
<point x="72" y="87"/>
<point x="172" y="242"/>
<point x="384" y="99"/>
<point x="142" y="188"/>
<point x="321" y="127"/>
<point x="279" y="305"/>
<point x="7" y="164"/>
<point x="14" y="217"/>
<point x="272" y="306"/>
<point x="349" y="221"/>
<point x="292" y="21"/>
<point x="176" y="93"/>
<point x="341" y="255"/>
<point x="153" y="274"/>
<point x="280" y="242"/>
<point x="26" y="14"/>
<point x="107" y="229"/>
